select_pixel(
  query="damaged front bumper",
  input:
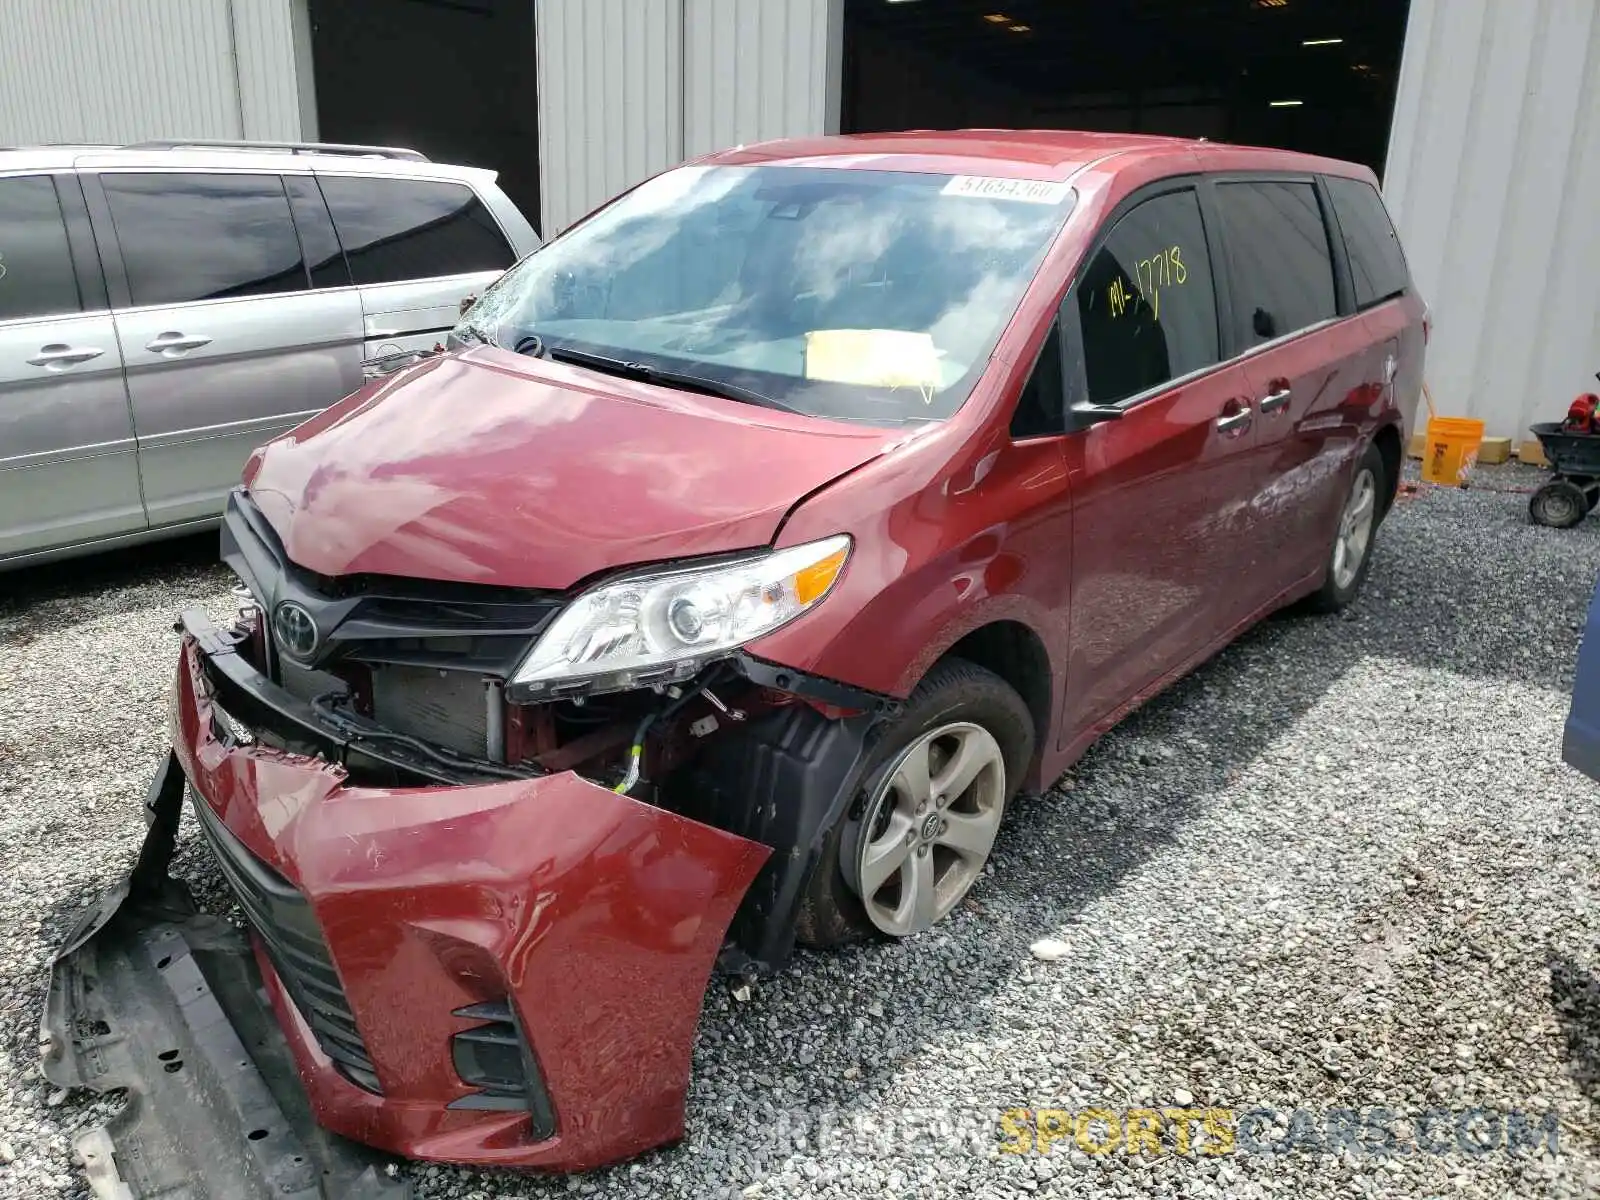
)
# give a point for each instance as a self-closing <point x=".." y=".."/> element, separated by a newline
<point x="504" y="973"/>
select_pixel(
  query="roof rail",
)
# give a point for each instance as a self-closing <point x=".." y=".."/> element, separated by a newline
<point x="292" y="147"/>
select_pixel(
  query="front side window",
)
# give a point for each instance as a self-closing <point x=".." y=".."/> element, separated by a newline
<point x="1283" y="268"/>
<point x="856" y="294"/>
<point x="1377" y="264"/>
<point x="1146" y="306"/>
<point x="399" y="229"/>
<point x="188" y="237"/>
<point x="36" y="278"/>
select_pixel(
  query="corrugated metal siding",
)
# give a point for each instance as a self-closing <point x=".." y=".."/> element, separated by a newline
<point x="753" y="71"/>
<point x="269" y="94"/>
<point x="1493" y="170"/>
<point x="610" y="99"/>
<point x="122" y="70"/>
<point x="630" y="87"/>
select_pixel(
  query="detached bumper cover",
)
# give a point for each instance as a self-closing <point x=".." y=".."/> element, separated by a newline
<point x="589" y="920"/>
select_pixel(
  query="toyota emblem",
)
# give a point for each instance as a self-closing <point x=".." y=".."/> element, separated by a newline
<point x="296" y="630"/>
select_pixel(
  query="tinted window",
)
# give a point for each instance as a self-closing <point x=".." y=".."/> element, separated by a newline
<point x="1377" y="264"/>
<point x="204" y="237"/>
<point x="395" y="229"/>
<point x="1146" y="303"/>
<point x="1040" y="407"/>
<point x="36" y="277"/>
<point x="324" y="258"/>
<point x="1283" y="268"/>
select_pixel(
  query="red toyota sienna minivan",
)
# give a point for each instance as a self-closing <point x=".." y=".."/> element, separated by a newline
<point x="749" y="546"/>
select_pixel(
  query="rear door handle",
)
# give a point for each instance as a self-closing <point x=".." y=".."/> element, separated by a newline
<point x="1273" y="402"/>
<point x="58" y="356"/>
<point x="1236" y="420"/>
<point x="172" y="343"/>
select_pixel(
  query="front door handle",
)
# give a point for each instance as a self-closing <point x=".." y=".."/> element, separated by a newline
<point x="1234" y="421"/>
<point x="1274" y="401"/>
<point x="58" y="356"/>
<point x="171" y="344"/>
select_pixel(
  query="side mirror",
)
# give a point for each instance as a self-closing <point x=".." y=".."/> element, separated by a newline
<point x="466" y="303"/>
<point x="1083" y="415"/>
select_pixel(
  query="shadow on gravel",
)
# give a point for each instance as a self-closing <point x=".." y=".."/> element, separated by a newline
<point x="81" y="578"/>
<point x="1575" y="996"/>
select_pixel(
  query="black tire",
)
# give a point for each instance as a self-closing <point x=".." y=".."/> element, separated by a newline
<point x="1560" y="504"/>
<point x="1334" y="596"/>
<point x="831" y="913"/>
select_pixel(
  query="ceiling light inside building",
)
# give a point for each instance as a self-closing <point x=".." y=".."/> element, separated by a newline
<point x="1285" y="103"/>
<point x="1020" y="28"/>
<point x="1272" y="3"/>
<point x="1323" y="42"/>
<point x="996" y="18"/>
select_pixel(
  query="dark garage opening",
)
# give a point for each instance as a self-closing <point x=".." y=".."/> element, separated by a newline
<point x="454" y="79"/>
<point x="1311" y="75"/>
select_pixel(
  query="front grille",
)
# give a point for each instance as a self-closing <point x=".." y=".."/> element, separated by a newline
<point x="479" y="629"/>
<point x="283" y="920"/>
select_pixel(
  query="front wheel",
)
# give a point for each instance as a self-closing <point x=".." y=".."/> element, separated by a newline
<point x="1351" y="553"/>
<point x="917" y="836"/>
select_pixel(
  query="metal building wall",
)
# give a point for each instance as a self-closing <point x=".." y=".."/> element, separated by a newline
<point x="630" y="87"/>
<point x="122" y="70"/>
<point x="1492" y="175"/>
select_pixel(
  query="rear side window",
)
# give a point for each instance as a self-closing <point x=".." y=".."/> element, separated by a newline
<point x="1377" y="264"/>
<point x="1282" y="264"/>
<point x="203" y="237"/>
<point x="1146" y="306"/>
<point x="36" y="278"/>
<point x="398" y="229"/>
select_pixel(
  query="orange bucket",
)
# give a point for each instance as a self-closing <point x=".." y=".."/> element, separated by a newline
<point x="1450" y="449"/>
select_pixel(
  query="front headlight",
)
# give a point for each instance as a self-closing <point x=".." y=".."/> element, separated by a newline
<point x="661" y="626"/>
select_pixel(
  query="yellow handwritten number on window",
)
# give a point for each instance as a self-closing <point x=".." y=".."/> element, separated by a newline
<point x="1162" y="270"/>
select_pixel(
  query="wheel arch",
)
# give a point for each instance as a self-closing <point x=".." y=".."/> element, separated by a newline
<point x="1016" y="653"/>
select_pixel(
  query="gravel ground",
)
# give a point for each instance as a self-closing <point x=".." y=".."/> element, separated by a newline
<point x="1341" y="867"/>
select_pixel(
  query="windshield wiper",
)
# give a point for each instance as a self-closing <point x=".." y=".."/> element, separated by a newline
<point x="649" y="374"/>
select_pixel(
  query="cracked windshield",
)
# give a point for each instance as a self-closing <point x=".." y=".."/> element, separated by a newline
<point x="862" y="295"/>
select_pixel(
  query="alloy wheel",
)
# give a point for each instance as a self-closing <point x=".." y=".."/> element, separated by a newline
<point x="927" y="829"/>
<point x="1355" y="529"/>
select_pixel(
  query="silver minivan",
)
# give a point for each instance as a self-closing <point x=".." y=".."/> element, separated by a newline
<point x="165" y="308"/>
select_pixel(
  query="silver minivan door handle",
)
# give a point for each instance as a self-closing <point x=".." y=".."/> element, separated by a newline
<point x="173" y="343"/>
<point x="58" y="356"/>
<point x="1233" y="421"/>
<point x="1274" y="401"/>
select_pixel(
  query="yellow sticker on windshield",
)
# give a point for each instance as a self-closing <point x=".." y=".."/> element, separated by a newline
<point x="874" y="358"/>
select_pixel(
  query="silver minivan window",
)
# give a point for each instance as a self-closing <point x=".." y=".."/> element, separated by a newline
<point x="399" y="229"/>
<point x="187" y="237"/>
<point x="36" y="278"/>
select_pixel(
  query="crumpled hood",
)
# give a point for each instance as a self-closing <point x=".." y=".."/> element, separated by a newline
<point x="486" y="467"/>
